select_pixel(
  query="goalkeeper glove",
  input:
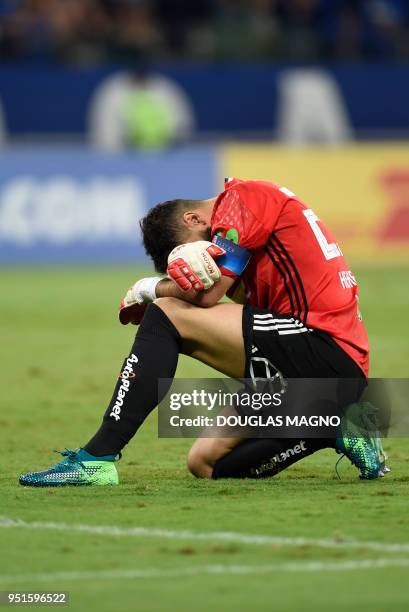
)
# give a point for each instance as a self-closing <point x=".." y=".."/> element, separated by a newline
<point x="191" y="265"/>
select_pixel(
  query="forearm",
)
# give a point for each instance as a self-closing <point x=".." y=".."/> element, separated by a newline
<point x="167" y="288"/>
<point x="146" y="290"/>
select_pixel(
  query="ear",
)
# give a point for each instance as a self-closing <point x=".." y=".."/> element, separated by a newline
<point x="193" y="219"/>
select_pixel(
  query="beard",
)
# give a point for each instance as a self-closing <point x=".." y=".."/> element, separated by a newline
<point x="206" y="234"/>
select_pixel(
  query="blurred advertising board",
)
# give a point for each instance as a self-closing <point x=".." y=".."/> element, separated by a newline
<point x="73" y="206"/>
<point x="67" y="206"/>
<point x="360" y="191"/>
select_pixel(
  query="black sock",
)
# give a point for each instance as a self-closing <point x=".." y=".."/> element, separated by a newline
<point x="154" y="355"/>
<point x="261" y="458"/>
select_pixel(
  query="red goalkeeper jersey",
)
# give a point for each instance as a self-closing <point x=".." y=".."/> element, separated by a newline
<point x="296" y="267"/>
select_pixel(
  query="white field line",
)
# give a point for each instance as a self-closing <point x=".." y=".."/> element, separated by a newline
<point x="220" y="536"/>
<point x="306" y="566"/>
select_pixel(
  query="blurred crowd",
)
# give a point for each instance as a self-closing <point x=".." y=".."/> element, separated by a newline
<point x="84" y="32"/>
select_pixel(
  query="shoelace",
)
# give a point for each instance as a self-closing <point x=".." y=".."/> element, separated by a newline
<point x="336" y="466"/>
<point x="71" y="455"/>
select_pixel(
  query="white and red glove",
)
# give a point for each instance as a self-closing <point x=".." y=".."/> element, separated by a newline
<point x="191" y="265"/>
<point x="133" y="306"/>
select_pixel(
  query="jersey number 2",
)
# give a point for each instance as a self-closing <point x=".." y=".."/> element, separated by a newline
<point x="330" y="249"/>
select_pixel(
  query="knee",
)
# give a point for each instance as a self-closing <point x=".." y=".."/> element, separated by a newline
<point x="171" y="306"/>
<point x="198" y="465"/>
<point x="165" y="303"/>
<point x="176" y="311"/>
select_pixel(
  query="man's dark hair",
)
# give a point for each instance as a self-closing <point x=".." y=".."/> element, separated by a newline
<point x="162" y="230"/>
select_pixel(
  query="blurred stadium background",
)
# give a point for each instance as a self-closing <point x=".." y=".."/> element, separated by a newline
<point x="109" y="106"/>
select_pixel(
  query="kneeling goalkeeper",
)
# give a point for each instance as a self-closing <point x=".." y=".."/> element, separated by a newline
<point x="299" y="316"/>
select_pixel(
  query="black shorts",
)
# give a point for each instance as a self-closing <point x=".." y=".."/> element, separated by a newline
<point x="279" y="348"/>
<point x="279" y="344"/>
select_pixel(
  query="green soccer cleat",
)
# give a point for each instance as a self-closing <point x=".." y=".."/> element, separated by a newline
<point x="361" y="442"/>
<point x="362" y="454"/>
<point x="77" y="468"/>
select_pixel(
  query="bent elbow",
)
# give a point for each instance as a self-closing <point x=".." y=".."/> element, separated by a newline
<point x="211" y="297"/>
<point x="207" y="301"/>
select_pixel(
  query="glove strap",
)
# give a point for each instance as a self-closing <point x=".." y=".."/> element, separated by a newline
<point x="146" y="290"/>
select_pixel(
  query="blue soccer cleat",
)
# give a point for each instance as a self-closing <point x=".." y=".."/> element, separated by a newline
<point x="362" y="454"/>
<point x="77" y="468"/>
<point x="361" y="442"/>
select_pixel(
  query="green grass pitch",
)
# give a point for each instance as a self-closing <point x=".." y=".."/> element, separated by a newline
<point x="61" y="350"/>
